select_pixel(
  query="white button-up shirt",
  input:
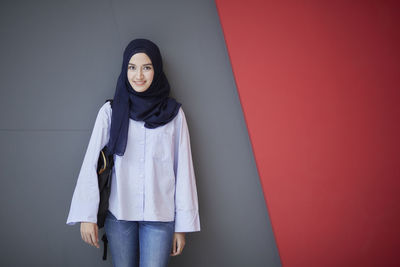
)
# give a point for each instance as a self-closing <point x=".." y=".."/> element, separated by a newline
<point x="153" y="181"/>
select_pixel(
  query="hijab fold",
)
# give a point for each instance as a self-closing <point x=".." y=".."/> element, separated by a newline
<point x="153" y="106"/>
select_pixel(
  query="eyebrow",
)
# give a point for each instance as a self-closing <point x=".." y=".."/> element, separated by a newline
<point x="143" y="64"/>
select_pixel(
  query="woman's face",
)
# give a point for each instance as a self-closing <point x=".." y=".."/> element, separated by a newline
<point x="140" y="72"/>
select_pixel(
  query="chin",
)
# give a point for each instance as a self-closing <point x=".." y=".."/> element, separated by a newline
<point x="139" y="90"/>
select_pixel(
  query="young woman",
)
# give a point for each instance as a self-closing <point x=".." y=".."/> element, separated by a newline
<point x="153" y="200"/>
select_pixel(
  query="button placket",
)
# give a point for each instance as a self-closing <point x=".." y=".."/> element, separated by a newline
<point x="142" y="165"/>
<point x="141" y="154"/>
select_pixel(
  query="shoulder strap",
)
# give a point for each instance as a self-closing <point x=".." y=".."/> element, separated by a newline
<point x="105" y="241"/>
<point x="111" y="101"/>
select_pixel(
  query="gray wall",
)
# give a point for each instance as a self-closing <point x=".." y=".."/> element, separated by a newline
<point x="59" y="62"/>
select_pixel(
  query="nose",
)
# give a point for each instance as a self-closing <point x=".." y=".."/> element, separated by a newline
<point x="140" y="74"/>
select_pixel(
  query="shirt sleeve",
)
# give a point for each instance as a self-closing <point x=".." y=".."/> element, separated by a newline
<point x="86" y="197"/>
<point x="186" y="201"/>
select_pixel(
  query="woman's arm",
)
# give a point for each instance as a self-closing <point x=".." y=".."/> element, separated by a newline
<point x="186" y="201"/>
<point x="85" y="199"/>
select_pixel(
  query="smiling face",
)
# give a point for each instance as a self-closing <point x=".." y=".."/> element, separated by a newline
<point x="140" y="72"/>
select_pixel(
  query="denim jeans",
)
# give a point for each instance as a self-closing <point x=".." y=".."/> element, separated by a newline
<point x="139" y="243"/>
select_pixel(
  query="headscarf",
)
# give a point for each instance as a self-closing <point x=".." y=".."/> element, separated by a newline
<point x="153" y="106"/>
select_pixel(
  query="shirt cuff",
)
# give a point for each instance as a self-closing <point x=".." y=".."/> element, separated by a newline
<point x="187" y="221"/>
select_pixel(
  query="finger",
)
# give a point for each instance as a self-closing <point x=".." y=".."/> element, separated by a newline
<point x="96" y="236"/>
<point x="85" y="237"/>
<point x="92" y="239"/>
<point x="180" y="248"/>
<point x="88" y="239"/>
<point x="173" y="247"/>
<point x="83" y="233"/>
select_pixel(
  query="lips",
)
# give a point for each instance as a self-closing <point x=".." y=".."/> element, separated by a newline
<point x="139" y="83"/>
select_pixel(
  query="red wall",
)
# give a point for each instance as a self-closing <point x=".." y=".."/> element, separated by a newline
<point x="319" y="86"/>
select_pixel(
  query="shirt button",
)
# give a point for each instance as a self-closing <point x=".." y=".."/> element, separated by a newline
<point x="142" y="159"/>
<point x="141" y="175"/>
<point x="142" y="143"/>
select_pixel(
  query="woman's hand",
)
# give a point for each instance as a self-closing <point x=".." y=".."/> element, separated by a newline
<point x="178" y="244"/>
<point x="89" y="233"/>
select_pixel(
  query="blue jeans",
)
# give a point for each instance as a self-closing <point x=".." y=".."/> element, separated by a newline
<point x="127" y="238"/>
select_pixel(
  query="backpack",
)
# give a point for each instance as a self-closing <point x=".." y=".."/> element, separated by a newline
<point x="105" y="166"/>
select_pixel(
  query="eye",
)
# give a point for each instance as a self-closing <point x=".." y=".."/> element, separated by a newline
<point x="131" y="67"/>
<point x="147" y="68"/>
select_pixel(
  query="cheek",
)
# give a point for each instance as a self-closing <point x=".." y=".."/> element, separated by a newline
<point x="129" y="75"/>
<point x="150" y="77"/>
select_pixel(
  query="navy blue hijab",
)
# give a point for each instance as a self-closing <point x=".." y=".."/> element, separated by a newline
<point x="153" y="106"/>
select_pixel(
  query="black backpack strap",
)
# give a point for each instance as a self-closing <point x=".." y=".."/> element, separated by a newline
<point x="105" y="241"/>
<point x="111" y="101"/>
<point x="104" y="238"/>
